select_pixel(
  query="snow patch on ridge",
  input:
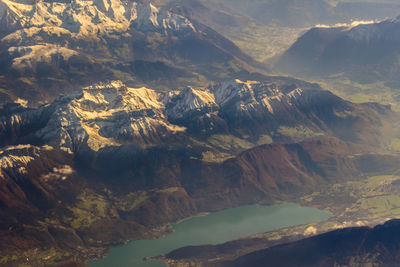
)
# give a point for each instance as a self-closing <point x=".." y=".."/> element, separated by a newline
<point x="27" y="56"/>
<point x="347" y="26"/>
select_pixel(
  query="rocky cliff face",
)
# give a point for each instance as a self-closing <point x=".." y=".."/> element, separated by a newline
<point x="86" y="18"/>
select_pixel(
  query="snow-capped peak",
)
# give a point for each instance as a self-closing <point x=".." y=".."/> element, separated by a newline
<point x="227" y="91"/>
<point x="191" y="100"/>
<point x="108" y="114"/>
<point x="396" y="20"/>
<point x="115" y="95"/>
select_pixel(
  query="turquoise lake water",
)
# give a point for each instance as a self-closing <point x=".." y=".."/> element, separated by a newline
<point x="214" y="228"/>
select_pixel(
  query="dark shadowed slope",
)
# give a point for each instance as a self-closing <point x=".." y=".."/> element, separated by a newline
<point x="378" y="246"/>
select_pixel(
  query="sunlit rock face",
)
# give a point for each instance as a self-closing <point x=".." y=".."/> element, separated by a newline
<point x="85" y="18"/>
<point x="112" y="114"/>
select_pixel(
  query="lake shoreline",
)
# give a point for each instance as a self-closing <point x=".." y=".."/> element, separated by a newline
<point x="99" y="253"/>
<point x="228" y="218"/>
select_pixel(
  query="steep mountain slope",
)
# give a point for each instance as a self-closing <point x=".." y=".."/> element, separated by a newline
<point x="378" y="246"/>
<point x="365" y="53"/>
<point x="112" y="163"/>
<point x="212" y="14"/>
<point x="48" y="48"/>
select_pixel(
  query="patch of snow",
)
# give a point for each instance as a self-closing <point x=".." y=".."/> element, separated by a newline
<point x="191" y="100"/>
<point x="22" y="102"/>
<point x="26" y="56"/>
<point x="58" y="173"/>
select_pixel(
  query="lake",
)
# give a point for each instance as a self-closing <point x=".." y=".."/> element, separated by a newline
<point x="214" y="228"/>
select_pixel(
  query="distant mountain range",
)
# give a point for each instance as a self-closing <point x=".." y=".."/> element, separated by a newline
<point x="53" y="47"/>
<point x="303" y="13"/>
<point x="290" y="13"/>
<point x="366" y="53"/>
<point x="213" y="14"/>
<point x="48" y="48"/>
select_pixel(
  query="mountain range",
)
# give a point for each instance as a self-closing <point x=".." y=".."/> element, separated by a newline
<point x="365" y="53"/>
<point x="118" y="118"/>
<point x="112" y="163"/>
<point x="306" y="13"/>
<point x="49" y="47"/>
